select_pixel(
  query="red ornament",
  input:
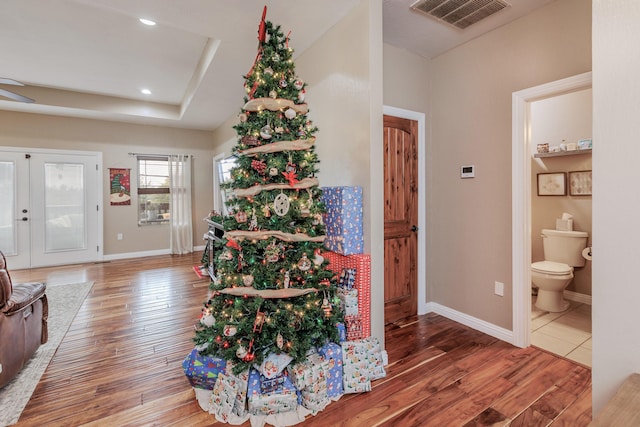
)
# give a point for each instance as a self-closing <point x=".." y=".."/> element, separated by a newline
<point x="259" y="166"/>
<point x="233" y="244"/>
<point x="250" y="355"/>
<point x="291" y="177"/>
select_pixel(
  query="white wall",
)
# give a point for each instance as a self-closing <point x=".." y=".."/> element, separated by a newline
<point x="616" y="200"/>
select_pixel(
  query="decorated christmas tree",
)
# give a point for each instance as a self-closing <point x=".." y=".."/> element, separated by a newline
<point x="272" y="293"/>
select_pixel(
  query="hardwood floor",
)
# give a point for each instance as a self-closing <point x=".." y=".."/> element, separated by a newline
<point x="120" y="363"/>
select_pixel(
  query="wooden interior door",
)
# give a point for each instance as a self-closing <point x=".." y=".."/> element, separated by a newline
<point x="400" y="218"/>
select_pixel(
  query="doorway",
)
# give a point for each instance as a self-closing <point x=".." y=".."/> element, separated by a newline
<point x="52" y="207"/>
<point x="521" y="196"/>
<point x="421" y="232"/>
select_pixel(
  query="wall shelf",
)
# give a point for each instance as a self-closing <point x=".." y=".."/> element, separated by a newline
<point x="563" y="153"/>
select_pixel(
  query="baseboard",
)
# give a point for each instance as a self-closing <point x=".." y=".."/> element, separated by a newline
<point x="577" y="297"/>
<point x="472" y="322"/>
<point x="141" y="254"/>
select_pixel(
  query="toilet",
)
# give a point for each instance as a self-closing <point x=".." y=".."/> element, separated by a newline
<point x="562" y="252"/>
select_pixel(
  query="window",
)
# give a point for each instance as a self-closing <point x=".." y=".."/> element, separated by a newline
<point x="153" y="190"/>
<point x="223" y="168"/>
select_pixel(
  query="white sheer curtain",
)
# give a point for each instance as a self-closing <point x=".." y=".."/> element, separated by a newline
<point x="180" y="183"/>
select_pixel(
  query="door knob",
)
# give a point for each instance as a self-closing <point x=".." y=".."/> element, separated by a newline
<point x="24" y="211"/>
<point x="24" y="218"/>
<point x="414" y="228"/>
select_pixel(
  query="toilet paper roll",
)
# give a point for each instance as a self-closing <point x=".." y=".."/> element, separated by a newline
<point x="586" y="253"/>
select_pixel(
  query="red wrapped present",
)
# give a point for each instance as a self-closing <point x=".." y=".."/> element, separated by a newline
<point x="362" y="282"/>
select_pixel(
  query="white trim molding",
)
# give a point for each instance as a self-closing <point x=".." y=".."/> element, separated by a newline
<point x="422" y="197"/>
<point x="141" y="254"/>
<point x="472" y="322"/>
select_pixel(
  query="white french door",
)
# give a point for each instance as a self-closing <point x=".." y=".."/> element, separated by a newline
<point x="50" y="212"/>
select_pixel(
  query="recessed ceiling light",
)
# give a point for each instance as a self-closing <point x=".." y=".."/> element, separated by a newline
<point x="145" y="91"/>
<point x="147" y="22"/>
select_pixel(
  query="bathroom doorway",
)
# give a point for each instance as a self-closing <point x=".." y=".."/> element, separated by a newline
<point x="522" y="188"/>
<point x="562" y="126"/>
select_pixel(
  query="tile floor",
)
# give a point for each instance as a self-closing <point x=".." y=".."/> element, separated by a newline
<point x="566" y="334"/>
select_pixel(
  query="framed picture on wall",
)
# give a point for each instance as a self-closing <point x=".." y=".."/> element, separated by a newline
<point x="552" y="184"/>
<point x="580" y="183"/>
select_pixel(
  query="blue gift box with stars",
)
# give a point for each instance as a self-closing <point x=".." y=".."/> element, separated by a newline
<point x="343" y="219"/>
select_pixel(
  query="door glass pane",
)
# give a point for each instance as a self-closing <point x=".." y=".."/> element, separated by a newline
<point x="224" y="175"/>
<point x="8" y="211"/>
<point x="64" y="207"/>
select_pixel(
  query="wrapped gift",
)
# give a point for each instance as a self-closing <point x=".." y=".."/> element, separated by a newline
<point x="374" y="358"/>
<point x="332" y="353"/>
<point x="342" y="331"/>
<point x="355" y="378"/>
<point x="361" y="264"/>
<point x="202" y="371"/>
<point x="270" y="385"/>
<point x="282" y="400"/>
<point x="223" y="397"/>
<point x="343" y="219"/>
<point x="355" y="367"/>
<point x="347" y="278"/>
<point x="348" y="301"/>
<point x="241" y="380"/>
<point x="353" y="325"/>
<point x="312" y="371"/>
<point x="315" y="401"/>
<point x="273" y="364"/>
<point x="362" y="362"/>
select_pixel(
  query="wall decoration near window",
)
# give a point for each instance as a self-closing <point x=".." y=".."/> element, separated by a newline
<point x="580" y="183"/>
<point x="552" y="184"/>
<point x="120" y="180"/>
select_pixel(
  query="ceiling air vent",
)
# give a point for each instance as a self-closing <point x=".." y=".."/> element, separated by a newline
<point x="459" y="13"/>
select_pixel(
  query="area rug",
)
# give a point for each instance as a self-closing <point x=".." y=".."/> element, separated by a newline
<point x="64" y="303"/>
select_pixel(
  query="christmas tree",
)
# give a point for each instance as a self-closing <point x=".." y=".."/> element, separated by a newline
<point x="273" y="292"/>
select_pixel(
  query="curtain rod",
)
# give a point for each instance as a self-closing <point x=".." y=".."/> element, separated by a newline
<point x="158" y="155"/>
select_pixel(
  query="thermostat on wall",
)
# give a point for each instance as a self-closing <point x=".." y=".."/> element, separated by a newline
<point x="467" y="171"/>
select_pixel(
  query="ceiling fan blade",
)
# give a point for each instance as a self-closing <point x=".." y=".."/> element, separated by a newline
<point x="15" y="96"/>
<point x="5" y="81"/>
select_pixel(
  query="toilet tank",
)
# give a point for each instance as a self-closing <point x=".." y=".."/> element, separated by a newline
<point x="564" y="246"/>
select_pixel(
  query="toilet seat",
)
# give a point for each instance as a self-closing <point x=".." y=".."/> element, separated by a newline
<point x="551" y="268"/>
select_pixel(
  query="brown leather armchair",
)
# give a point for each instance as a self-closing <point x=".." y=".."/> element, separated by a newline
<point x="23" y="322"/>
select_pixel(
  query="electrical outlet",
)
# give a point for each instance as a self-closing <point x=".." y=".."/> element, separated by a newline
<point x="119" y="236"/>
<point x="499" y="289"/>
